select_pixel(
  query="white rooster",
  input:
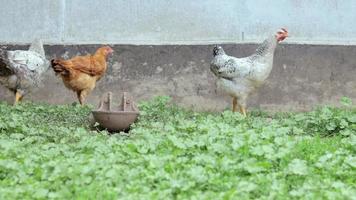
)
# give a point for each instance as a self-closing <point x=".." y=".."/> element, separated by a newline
<point x="239" y="77"/>
<point x="20" y="70"/>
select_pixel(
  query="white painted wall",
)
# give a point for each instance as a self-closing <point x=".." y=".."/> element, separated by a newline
<point x="176" y="21"/>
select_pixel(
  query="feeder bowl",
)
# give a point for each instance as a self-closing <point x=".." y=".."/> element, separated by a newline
<point x="116" y="119"/>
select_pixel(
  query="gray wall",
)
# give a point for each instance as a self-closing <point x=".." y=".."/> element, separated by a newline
<point x="303" y="75"/>
<point x="176" y="21"/>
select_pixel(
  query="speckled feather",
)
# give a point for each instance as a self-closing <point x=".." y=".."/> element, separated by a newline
<point x="240" y="77"/>
<point x="22" y="70"/>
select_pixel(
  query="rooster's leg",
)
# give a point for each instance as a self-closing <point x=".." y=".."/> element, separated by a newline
<point x="18" y="98"/>
<point x="235" y="104"/>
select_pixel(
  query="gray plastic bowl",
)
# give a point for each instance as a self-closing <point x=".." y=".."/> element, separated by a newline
<point x="115" y="120"/>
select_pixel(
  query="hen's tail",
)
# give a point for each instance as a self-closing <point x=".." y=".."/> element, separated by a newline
<point x="5" y="68"/>
<point x="59" y="67"/>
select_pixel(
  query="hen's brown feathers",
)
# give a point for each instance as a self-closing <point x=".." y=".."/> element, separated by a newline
<point x="94" y="65"/>
<point x="81" y="72"/>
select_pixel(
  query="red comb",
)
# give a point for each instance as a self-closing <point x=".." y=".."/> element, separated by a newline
<point x="285" y="30"/>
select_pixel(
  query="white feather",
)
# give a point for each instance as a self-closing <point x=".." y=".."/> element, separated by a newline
<point x="29" y="59"/>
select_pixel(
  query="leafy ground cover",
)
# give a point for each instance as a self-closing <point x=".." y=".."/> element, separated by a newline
<point x="49" y="152"/>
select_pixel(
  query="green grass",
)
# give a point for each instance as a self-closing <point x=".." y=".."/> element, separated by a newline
<point x="49" y="152"/>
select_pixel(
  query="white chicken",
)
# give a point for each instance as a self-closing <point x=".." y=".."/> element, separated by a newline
<point x="20" y="70"/>
<point x="239" y="77"/>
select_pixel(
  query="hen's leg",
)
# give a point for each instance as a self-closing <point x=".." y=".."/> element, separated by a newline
<point x="235" y="104"/>
<point x="18" y="97"/>
<point x="243" y="110"/>
<point x="243" y="106"/>
<point x="78" y="96"/>
<point x="82" y="95"/>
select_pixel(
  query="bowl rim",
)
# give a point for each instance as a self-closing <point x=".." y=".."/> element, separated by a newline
<point x="114" y="112"/>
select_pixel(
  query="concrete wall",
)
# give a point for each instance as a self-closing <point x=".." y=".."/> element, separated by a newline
<point x="303" y="75"/>
<point x="176" y="21"/>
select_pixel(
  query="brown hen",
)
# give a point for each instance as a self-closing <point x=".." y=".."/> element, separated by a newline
<point x="81" y="73"/>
